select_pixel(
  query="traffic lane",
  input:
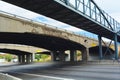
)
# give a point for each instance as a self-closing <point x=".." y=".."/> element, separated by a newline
<point x="35" y="66"/>
<point x="88" y="72"/>
<point x="31" y="67"/>
<point x="28" y="76"/>
<point x="64" y="75"/>
<point x="81" y="73"/>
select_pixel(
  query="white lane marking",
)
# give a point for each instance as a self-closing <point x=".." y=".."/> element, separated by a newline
<point x="59" y="78"/>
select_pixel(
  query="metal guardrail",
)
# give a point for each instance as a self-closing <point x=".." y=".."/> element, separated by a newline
<point x="90" y="9"/>
<point x="8" y="77"/>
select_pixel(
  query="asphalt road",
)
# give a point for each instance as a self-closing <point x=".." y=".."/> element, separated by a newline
<point x="55" y="71"/>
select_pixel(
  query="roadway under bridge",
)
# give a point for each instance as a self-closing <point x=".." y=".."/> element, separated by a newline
<point x="26" y="54"/>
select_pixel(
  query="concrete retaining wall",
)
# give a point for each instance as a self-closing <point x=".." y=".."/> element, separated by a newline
<point x="8" y="77"/>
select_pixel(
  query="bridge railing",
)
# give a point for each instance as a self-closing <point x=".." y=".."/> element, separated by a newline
<point x="91" y="10"/>
<point x="32" y="21"/>
<point x="35" y="21"/>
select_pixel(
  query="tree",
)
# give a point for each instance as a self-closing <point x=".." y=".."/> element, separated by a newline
<point x="1" y="56"/>
<point x="8" y="57"/>
<point x="37" y="56"/>
<point x="44" y="56"/>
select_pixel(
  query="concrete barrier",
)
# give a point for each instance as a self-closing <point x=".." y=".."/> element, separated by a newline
<point x="8" y="77"/>
<point x="104" y="62"/>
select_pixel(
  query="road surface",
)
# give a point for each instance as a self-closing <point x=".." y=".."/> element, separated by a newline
<point x="54" y="71"/>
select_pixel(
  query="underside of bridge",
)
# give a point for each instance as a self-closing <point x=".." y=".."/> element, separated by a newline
<point x="14" y="52"/>
<point x="94" y="53"/>
<point x="44" y="52"/>
<point x="43" y="41"/>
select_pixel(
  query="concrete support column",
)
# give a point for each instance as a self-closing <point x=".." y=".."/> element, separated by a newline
<point x="73" y="55"/>
<point x="31" y="58"/>
<point x="53" y="55"/>
<point x="100" y="48"/>
<point x="116" y="46"/>
<point x="84" y="54"/>
<point x="28" y="58"/>
<point x="19" y="59"/>
<point x="62" y="55"/>
<point x="23" y="58"/>
<point x="88" y="54"/>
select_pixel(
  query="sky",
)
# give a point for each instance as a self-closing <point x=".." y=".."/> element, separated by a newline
<point x="109" y="6"/>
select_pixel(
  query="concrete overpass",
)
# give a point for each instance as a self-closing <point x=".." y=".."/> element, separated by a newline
<point x="23" y="57"/>
<point x="14" y="30"/>
<point x="25" y="53"/>
<point x="25" y="48"/>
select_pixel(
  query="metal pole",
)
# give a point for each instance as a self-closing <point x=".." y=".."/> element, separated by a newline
<point x="76" y="5"/>
<point x="116" y="46"/>
<point x="95" y="14"/>
<point x="83" y="7"/>
<point x="90" y="11"/>
<point x="100" y="47"/>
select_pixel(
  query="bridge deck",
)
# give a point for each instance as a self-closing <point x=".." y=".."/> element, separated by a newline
<point x="63" y="13"/>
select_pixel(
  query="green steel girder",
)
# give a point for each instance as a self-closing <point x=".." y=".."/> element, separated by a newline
<point x="88" y="5"/>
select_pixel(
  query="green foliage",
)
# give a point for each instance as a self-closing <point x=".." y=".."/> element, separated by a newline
<point x="1" y="57"/>
<point x="44" y="56"/>
<point x="8" y="57"/>
<point x="37" y="56"/>
<point x="41" y="57"/>
<point x="78" y="53"/>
